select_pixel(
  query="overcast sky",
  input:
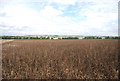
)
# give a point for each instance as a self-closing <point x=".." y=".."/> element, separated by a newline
<point x="59" y="17"/>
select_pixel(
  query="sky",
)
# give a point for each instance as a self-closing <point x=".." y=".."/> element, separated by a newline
<point x="59" y="17"/>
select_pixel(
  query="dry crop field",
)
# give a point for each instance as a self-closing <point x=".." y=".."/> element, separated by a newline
<point x="60" y="59"/>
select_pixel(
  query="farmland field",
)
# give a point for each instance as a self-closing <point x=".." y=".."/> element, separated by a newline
<point x="60" y="59"/>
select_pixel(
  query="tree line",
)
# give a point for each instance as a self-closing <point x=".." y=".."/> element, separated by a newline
<point x="86" y="37"/>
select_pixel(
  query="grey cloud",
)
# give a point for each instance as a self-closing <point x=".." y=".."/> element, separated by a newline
<point x="15" y="28"/>
<point x="2" y="14"/>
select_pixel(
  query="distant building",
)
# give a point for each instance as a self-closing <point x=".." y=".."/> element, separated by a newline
<point x="80" y="37"/>
<point x="60" y="37"/>
<point x="55" y="38"/>
<point x="50" y="37"/>
<point x="103" y="37"/>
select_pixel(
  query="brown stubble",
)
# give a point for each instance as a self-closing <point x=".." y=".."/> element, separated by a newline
<point x="60" y="59"/>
